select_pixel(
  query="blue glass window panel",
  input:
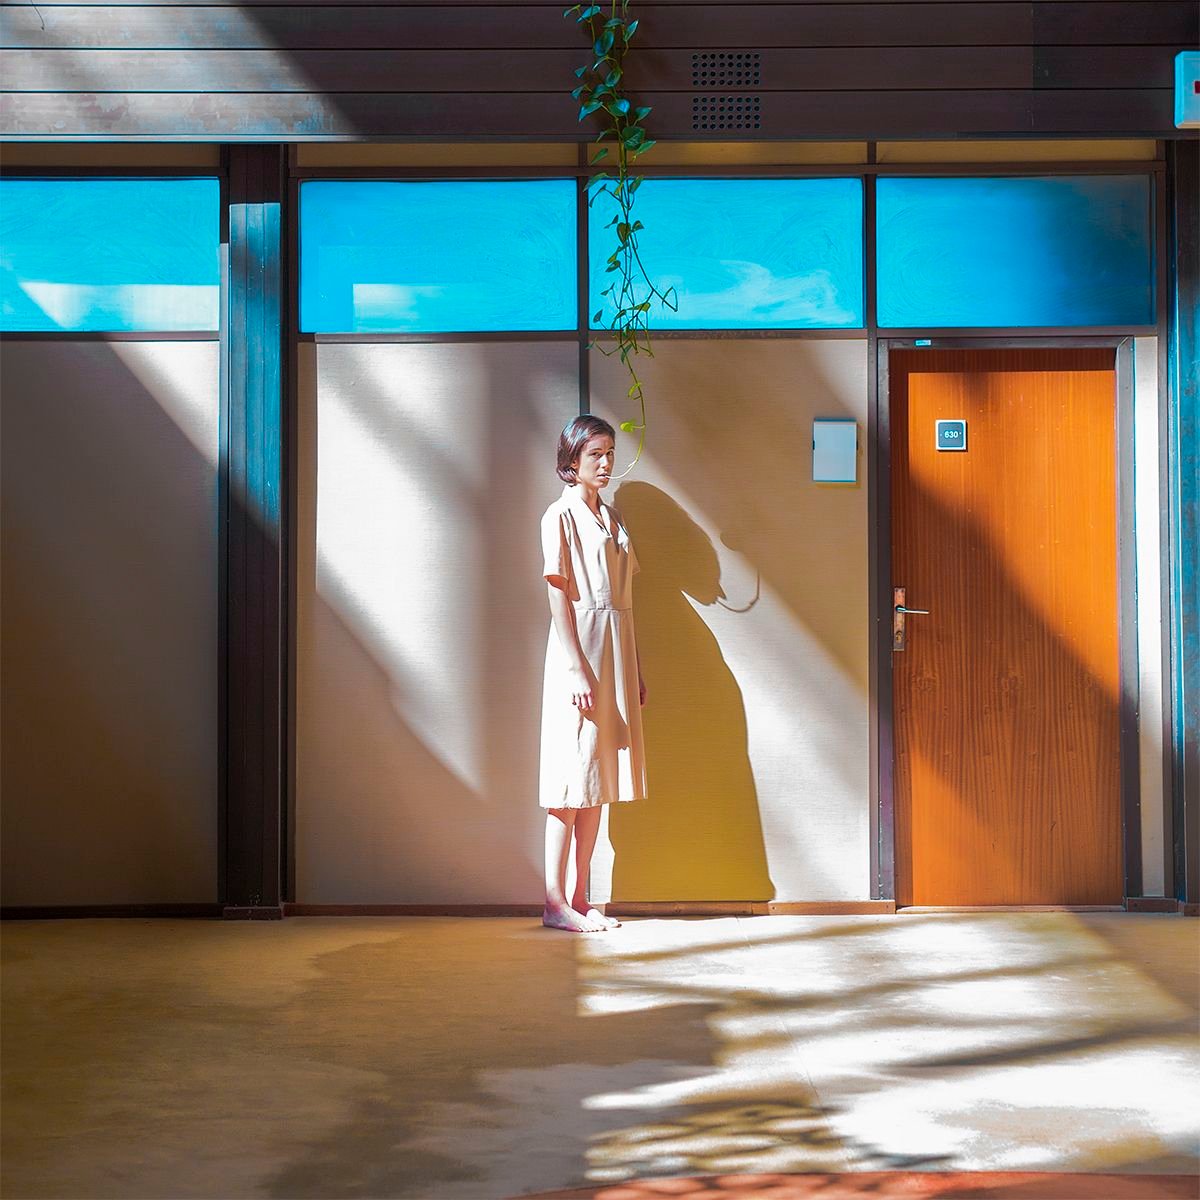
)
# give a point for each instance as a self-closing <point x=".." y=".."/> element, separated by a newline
<point x="109" y="254"/>
<point x="1072" y="251"/>
<point x="379" y="256"/>
<point x="741" y="253"/>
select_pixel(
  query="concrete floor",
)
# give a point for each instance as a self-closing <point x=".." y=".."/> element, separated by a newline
<point x="445" y="1058"/>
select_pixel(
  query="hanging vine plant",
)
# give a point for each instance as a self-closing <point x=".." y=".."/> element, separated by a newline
<point x="602" y="93"/>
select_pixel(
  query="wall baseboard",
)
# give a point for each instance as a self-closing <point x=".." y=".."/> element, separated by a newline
<point x="52" y="912"/>
<point x="1163" y="904"/>
<point x="628" y="908"/>
<point x="293" y="909"/>
<point x="745" y="908"/>
<point x="984" y="908"/>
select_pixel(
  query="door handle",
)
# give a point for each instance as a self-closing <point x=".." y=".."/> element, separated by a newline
<point x="899" y="612"/>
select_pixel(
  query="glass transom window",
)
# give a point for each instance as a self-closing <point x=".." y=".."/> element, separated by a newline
<point x="109" y="254"/>
<point x="1068" y="251"/>
<point x="741" y="253"/>
<point x="380" y="256"/>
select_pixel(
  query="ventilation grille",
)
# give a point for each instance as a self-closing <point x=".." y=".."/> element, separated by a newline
<point x="731" y="69"/>
<point x="726" y="112"/>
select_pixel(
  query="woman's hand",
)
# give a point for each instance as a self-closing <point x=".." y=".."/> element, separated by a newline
<point x="642" y="689"/>
<point x="581" y="690"/>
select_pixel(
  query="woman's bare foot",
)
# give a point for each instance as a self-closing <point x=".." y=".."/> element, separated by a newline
<point x="563" y="917"/>
<point x="582" y="906"/>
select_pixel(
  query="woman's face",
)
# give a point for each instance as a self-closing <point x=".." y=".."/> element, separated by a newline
<point x="595" y="462"/>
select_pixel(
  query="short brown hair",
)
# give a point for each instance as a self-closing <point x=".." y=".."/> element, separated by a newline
<point x="573" y="439"/>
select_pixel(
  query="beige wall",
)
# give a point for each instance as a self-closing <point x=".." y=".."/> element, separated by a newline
<point x="423" y="619"/>
<point x="109" y="613"/>
<point x="751" y="612"/>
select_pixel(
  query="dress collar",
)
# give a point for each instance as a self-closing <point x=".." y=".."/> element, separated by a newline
<point x="574" y="494"/>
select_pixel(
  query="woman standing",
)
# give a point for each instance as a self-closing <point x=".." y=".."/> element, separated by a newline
<point x="592" y="751"/>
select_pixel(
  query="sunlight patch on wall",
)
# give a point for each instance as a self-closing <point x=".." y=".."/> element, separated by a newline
<point x="408" y="593"/>
<point x="422" y="617"/>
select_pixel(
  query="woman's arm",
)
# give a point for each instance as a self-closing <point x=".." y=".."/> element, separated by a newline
<point x="563" y="613"/>
<point x="579" y="677"/>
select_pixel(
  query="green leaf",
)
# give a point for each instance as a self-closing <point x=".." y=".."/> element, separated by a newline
<point x="643" y="147"/>
<point x="629" y="426"/>
<point x="623" y="232"/>
<point x="588" y="13"/>
<point x="632" y="135"/>
<point x="613" y="22"/>
<point x="636" y="226"/>
<point x="612" y="222"/>
<point x="599" y="155"/>
<point x="580" y="72"/>
<point x="613" y="77"/>
<point x="574" y="8"/>
<point x="603" y="44"/>
<point x="589" y="107"/>
<point x="630" y="29"/>
<point x="612" y="267"/>
<point x="639" y="114"/>
<point x="621" y="106"/>
<point x="596" y="316"/>
<point x="577" y="92"/>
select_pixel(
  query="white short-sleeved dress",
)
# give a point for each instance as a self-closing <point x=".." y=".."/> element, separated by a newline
<point x="597" y="757"/>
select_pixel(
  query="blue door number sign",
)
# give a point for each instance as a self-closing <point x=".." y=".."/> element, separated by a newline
<point x="951" y="435"/>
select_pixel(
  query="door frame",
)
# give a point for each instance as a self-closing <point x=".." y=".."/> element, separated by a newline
<point x="879" y="477"/>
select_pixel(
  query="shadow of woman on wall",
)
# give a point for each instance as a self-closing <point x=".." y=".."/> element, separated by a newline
<point x="698" y="835"/>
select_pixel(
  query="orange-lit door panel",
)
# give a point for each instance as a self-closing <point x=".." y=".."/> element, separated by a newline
<point x="1005" y="694"/>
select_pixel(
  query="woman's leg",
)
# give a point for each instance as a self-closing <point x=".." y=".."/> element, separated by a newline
<point x="587" y="827"/>
<point x="557" y="913"/>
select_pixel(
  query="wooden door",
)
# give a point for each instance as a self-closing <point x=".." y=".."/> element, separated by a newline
<point x="1006" y="696"/>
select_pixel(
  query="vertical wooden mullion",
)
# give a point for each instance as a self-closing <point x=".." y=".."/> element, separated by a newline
<point x="256" y="640"/>
<point x="290" y="300"/>
<point x="256" y="695"/>
<point x="274" y="622"/>
<point x="222" y="523"/>
<point x="236" y="883"/>
<point x="1130" y="774"/>
<point x="882" y="849"/>
<point x="1183" y="356"/>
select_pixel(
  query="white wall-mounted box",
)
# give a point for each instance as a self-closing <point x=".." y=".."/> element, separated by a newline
<point x="835" y="450"/>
